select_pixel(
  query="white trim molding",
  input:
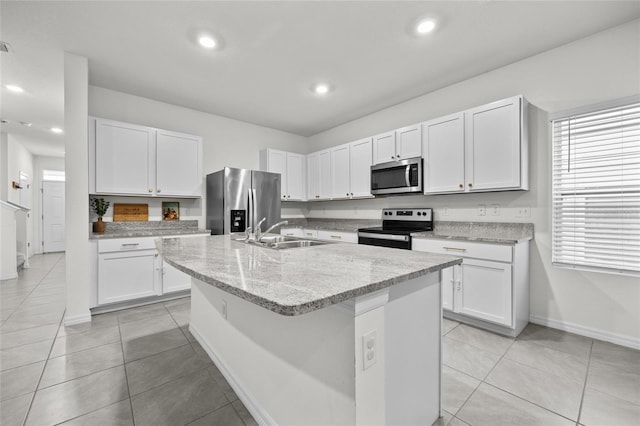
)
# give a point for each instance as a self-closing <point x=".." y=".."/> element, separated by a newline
<point x="77" y="319"/>
<point x="618" y="339"/>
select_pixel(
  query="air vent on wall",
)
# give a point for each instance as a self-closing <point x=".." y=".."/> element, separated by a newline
<point x="4" y="47"/>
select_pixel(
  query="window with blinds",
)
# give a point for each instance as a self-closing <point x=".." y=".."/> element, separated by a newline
<point x="596" y="190"/>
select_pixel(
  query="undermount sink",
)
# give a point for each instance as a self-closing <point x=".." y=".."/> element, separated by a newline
<point x="283" y="242"/>
<point x="298" y="243"/>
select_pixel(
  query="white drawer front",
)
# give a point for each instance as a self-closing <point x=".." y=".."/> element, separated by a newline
<point x="341" y="236"/>
<point x="496" y="252"/>
<point x="126" y="244"/>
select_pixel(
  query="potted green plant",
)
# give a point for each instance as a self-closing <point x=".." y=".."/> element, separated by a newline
<point x="100" y="207"/>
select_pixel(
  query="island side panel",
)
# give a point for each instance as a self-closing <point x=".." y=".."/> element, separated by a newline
<point x="413" y="329"/>
<point x="284" y="369"/>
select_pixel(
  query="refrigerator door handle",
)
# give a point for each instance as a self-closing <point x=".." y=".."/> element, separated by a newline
<point x="253" y="206"/>
<point x="249" y="209"/>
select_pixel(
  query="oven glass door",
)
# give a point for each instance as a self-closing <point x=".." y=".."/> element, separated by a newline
<point x="400" y="242"/>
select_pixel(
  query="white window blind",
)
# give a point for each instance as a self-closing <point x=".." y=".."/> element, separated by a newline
<point x="596" y="190"/>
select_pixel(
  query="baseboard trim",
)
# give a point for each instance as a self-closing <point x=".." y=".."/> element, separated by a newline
<point x="8" y="276"/>
<point x="618" y="339"/>
<point x="77" y="319"/>
<point x="258" y="413"/>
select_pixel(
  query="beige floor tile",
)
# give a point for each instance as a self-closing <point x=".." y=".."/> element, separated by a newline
<point x="557" y="339"/>
<point x="147" y="327"/>
<point x="82" y="363"/>
<point x="448" y="325"/>
<point x="30" y="335"/>
<point x="616" y="356"/>
<point x="20" y="381"/>
<point x="118" y="414"/>
<point x="481" y="339"/>
<point x="223" y="416"/>
<point x="456" y="389"/>
<point x="86" y="340"/>
<point x="555" y="393"/>
<point x="614" y="381"/>
<point x="25" y="354"/>
<point x="468" y="359"/>
<point x="13" y="411"/>
<point x="600" y="409"/>
<point x="546" y="359"/>
<point x="491" y="407"/>
<point x="77" y="397"/>
<point x="141" y="312"/>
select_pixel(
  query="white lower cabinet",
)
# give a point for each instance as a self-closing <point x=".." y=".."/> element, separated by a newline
<point x="173" y="279"/>
<point x="131" y="268"/>
<point x="292" y="232"/>
<point x="127" y="269"/>
<point x="338" y="236"/>
<point x="490" y="289"/>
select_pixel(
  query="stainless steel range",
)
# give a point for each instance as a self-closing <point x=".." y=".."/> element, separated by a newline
<point x="397" y="226"/>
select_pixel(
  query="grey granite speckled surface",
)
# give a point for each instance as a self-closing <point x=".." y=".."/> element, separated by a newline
<point x="149" y="229"/>
<point x="299" y="280"/>
<point x="488" y="232"/>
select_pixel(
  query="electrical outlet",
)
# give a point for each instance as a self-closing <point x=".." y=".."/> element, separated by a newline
<point x="482" y="209"/>
<point x="224" y="309"/>
<point x="495" y="210"/>
<point x="523" y="211"/>
<point x="369" y="349"/>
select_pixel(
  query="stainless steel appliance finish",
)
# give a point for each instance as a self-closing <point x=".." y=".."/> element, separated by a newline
<point x="397" y="177"/>
<point x="240" y="198"/>
<point x="397" y="226"/>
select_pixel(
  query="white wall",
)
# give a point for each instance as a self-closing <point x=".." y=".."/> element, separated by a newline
<point x="76" y="82"/>
<point x="20" y="159"/>
<point x="602" y="67"/>
<point x="41" y="163"/>
<point x="4" y="166"/>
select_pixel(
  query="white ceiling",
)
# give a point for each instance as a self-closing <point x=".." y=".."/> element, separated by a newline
<point x="273" y="52"/>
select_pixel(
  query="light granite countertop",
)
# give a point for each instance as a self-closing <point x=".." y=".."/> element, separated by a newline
<point x="300" y="280"/>
<point x="488" y="232"/>
<point x="149" y="229"/>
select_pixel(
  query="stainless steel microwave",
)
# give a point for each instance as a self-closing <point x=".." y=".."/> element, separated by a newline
<point x="397" y="177"/>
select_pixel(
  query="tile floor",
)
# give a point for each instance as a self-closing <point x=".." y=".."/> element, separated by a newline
<point x="141" y="366"/>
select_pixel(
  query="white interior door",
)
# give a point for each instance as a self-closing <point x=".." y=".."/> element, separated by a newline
<point x="53" y="228"/>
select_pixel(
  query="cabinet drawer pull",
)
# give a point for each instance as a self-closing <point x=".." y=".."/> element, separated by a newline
<point x="130" y="245"/>
<point x="336" y="237"/>
<point x="455" y="249"/>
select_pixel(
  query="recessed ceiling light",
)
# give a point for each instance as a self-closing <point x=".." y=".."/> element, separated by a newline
<point x="56" y="130"/>
<point x="321" y="88"/>
<point x="207" y="42"/>
<point x="14" y="88"/>
<point x="425" y="26"/>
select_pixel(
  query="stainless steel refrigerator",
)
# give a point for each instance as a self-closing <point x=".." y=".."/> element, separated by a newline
<point x="238" y="198"/>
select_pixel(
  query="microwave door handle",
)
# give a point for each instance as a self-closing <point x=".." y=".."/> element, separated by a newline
<point x="406" y="175"/>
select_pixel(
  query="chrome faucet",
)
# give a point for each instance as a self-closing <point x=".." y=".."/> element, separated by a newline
<point x="271" y="228"/>
<point x="258" y="230"/>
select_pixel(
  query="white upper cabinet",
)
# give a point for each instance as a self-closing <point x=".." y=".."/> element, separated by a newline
<point x="409" y="142"/>
<point x="351" y="169"/>
<point x="399" y="144"/>
<point x="296" y="177"/>
<point x="124" y="158"/>
<point x="384" y="147"/>
<point x="444" y="154"/>
<point x="319" y="182"/>
<point x="360" y="160"/>
<point x="292" y="169"/>
<point x="129" y="159"/>
<point x="481" y="149"/>
<point x="496" y="149"/>
<point x="178" y="164"/>
<point x="340" y="172"/>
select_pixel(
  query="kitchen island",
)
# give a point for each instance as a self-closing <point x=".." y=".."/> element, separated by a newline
<point x="330" y="334"/>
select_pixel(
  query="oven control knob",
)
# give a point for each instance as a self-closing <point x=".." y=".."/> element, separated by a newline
<point x="419" y="214"/>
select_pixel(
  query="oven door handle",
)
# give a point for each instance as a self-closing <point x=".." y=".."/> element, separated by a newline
<point x="383" y="236"/>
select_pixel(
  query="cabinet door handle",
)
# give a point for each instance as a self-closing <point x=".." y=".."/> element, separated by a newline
<point x="455" y="249"/>
<point x="397" y="156"/>
<point x="155" y="255"/>
<point x="461" y="186"/>
<point x="470" y="184"/>
<point x="131" y="245"/>
<point x="150" y="190"/>
<point x="352" y="194"/>
<point x="159" y="189"/>
<point x="393" y="157"/>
